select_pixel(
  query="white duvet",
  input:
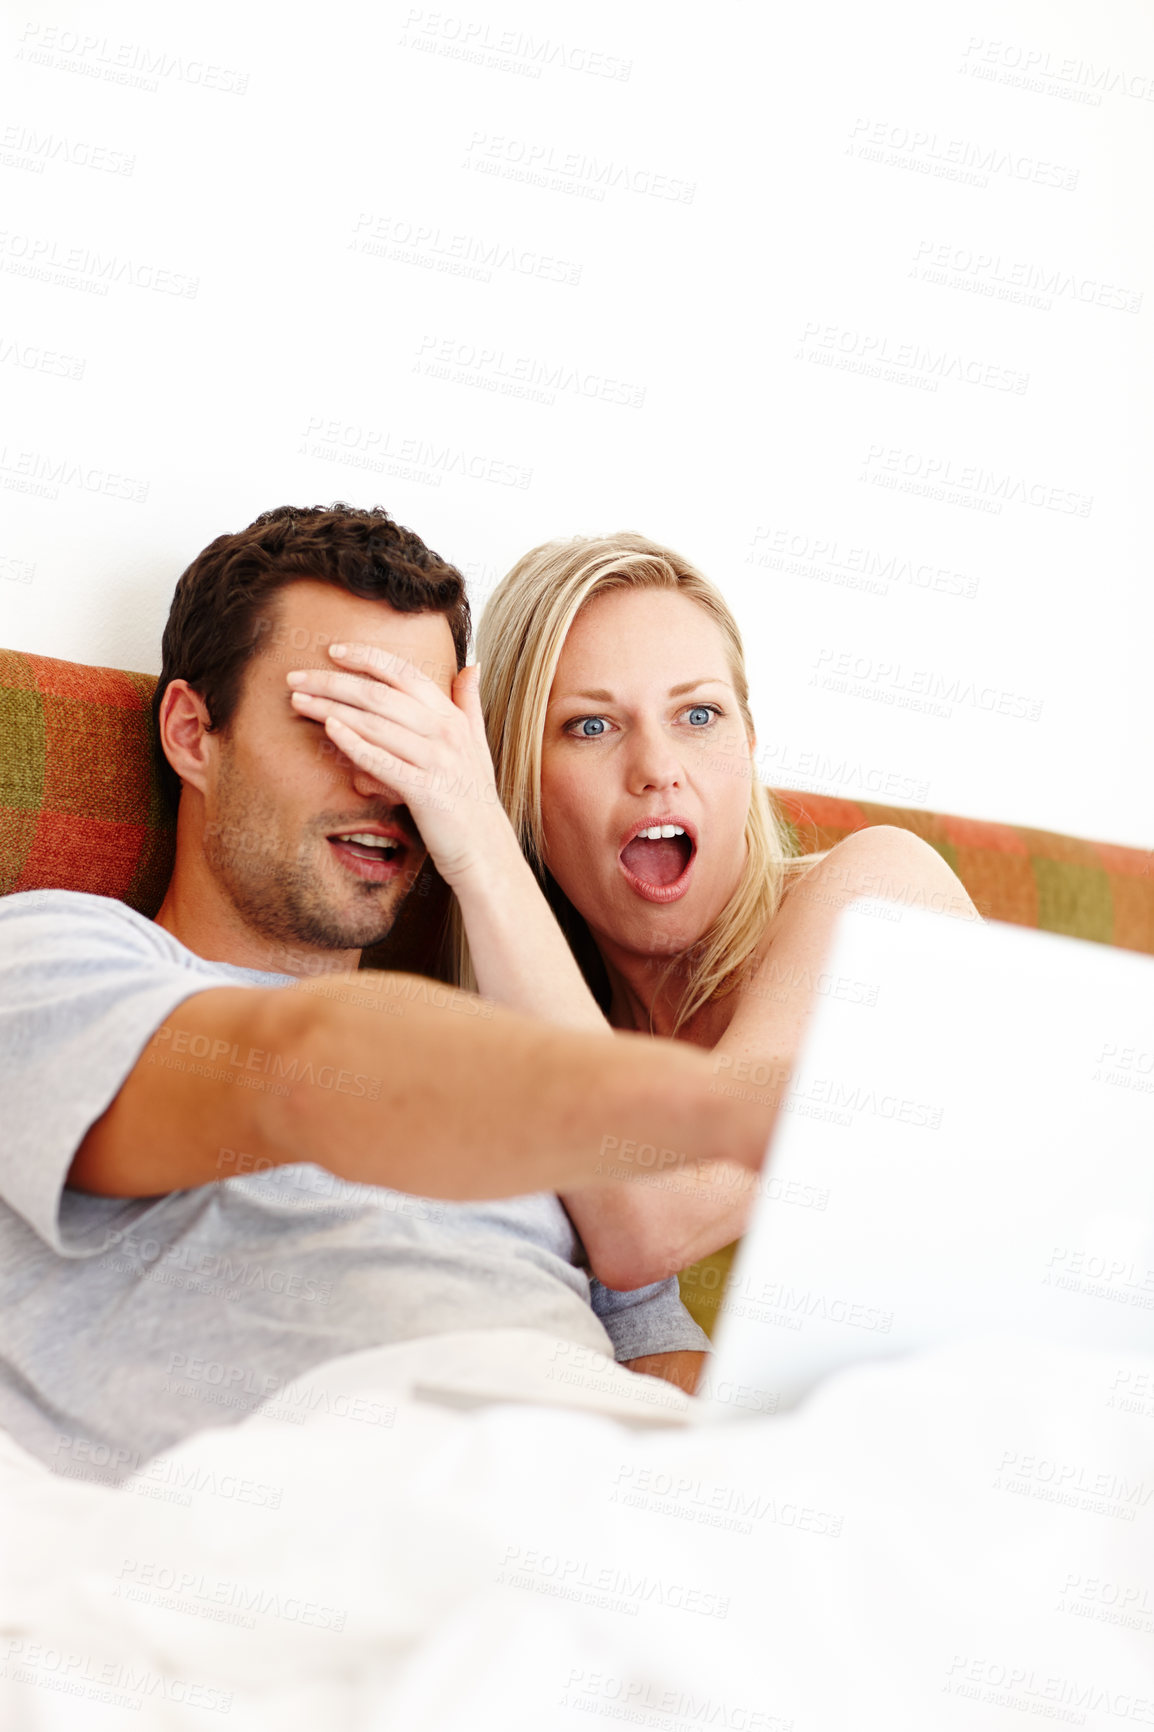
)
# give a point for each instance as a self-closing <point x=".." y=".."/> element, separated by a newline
<point x="963" y="1538"/>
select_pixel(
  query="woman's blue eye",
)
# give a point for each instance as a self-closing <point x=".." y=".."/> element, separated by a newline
<point x="699" y="715"/>
<point x="591" y="726"/>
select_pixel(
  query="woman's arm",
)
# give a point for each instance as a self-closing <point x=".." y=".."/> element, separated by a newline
<point x="426" y="745"/>
<point x="658" y="1225"/>
<point x="520" y="955"/>
<point x="682" y="1368"/>
<point x="663" y="1217"/>
<point x="882" y="861"/>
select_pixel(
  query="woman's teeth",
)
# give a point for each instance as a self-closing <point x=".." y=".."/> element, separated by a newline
<point x="657" y="857"/>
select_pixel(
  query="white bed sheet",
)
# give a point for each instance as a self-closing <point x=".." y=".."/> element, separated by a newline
<point x="963" y="1538"/>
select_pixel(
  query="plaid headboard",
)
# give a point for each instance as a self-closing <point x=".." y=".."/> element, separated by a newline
<point x="81" y="808"/>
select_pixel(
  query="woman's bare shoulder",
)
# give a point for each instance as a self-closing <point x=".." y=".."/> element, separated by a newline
<point x="786" y="970"/>
<point x="882" y="860"/>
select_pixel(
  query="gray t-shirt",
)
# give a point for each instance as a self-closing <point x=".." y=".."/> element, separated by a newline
<point x="127" y="1324"/>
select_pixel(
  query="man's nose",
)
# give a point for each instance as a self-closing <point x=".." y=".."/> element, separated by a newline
<point x="342" y="769"/>
<point x="369" y="786"/>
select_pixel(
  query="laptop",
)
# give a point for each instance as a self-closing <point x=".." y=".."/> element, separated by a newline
<point x="967" y="1147"/>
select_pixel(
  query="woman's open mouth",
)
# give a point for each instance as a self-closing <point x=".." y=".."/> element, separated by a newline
<point x="657" y="860"/>
<point x="376" y="858"/>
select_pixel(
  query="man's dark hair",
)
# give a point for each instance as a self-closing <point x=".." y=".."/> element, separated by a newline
<point x="219" y="609"/>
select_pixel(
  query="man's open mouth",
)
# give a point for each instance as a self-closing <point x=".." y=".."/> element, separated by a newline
<point x="369" y="854"/>
<point x="657" y="859"/>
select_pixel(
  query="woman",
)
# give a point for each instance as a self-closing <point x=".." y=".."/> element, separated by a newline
<point x="616" y="703"/>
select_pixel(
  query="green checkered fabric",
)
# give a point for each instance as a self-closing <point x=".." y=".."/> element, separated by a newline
<point x="81" y="808"/>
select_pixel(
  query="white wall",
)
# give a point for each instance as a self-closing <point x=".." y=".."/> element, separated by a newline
<point x="849" y="304"/>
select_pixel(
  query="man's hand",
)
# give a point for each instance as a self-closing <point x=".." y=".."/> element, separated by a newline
<point x="428" y="749"/>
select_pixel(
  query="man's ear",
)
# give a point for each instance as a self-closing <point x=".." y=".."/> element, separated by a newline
<point x="184" y="724"/>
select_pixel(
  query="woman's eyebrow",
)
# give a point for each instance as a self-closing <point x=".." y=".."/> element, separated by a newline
<point x="598" y="697"/>
<point x="603" y="697"/>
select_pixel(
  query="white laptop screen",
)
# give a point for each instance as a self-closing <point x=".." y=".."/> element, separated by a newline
<point x="967" y="1147"/>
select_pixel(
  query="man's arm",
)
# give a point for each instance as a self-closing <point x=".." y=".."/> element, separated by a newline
<point x="389" y="1079"/>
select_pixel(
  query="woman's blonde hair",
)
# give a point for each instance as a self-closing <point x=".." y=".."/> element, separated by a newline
<point x="519" y="643"/>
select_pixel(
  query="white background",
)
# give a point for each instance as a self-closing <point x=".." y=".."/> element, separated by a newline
<point x="742" y="280"/>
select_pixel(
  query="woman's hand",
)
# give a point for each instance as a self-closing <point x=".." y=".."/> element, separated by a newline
<point x="682" y="1367"/>
<point x="427" y="748"/>
<point x="429" y="751"/>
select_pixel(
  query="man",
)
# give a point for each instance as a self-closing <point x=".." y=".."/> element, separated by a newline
<point x="225" y="1143"/>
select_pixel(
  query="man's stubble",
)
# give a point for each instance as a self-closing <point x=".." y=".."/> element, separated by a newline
<point x="277" y="882"/>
